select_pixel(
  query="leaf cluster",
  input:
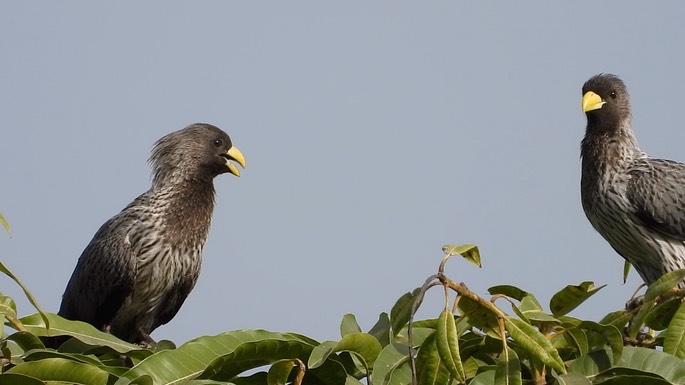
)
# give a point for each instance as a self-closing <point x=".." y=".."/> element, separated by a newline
<point x="472" y="340"/>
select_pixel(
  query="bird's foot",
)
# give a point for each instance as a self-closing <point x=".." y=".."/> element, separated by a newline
<point x="146" y="341"/>
<point x="635" y="302"/>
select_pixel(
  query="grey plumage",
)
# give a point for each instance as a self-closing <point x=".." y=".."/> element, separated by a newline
<point x="141" y="264"/>
<point x="635" y="202"/>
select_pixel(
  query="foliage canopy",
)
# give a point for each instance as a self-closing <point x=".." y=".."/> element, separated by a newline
<point x="472" y="341"/>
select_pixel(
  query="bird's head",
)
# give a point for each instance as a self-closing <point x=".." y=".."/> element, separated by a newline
<point x="197" y="151"/>
<point x="606" y="102"/>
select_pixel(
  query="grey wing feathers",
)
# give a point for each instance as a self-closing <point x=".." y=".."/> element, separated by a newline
<point x="175" y="298"/>
<point x="656" y="190"/>
<point x="103" y="277"/>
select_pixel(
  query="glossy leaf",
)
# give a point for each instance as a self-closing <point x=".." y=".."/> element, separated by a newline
<point x="381" y="330"/>
<point x="429" y="367"/>
<point x="392" y="366"/>
<point x="7" y="306"/>
<point x="364" y="345"/>
<point x="469" y="252"/>
<point x="540" y="316"/>
<point x="642" y="359"/>
<point x="5" y="224"/>
<point x="536" y="344"/>
<point x="26" y="341"/>
<point x="279" y="372"/>
<point x="572" y="379"/>
<point x="662" y="314"/>
<point x="447" y="341"/>
<point x="664" y="284"/>
<point x="610" y="336"/>
<point x="477" y="315"/>
<point x="349" y="325"/>
<point x="626" y="270"/>
<point x="508" y="370"/>
<point x="81" y="330"/>
<point x="508" y="290"/>
<point x="19" y="379"/>
<point x="401" y="311"/>
<point x="617" y="318"/>
<point x="27" y="293"/>
<point x="63" y="370"/>
<point x="530" y="303"/>
<point x="571" y="296"/>
<point x="674" y="336"/>
<point x="484" y="378"/>
<point x="226" y="355"/>
<point x="578" y="338"/>
<point x="636" y="322"/>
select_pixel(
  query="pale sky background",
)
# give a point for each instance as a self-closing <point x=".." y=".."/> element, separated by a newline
<point x="374" y="132"/>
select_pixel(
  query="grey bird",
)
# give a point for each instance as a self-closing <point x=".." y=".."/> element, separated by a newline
<point x="635" y="202"/>
<point x="140" y="266"/>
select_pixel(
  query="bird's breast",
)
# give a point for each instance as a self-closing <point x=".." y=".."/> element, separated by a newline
<point x="159" y="270"/>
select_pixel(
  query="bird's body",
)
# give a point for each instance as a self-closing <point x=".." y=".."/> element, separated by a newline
<point x="141" y="264"/>
<point x="635" y="202"/>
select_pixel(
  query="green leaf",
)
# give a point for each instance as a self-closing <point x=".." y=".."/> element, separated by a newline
<point x="470" y="252"/>
<point x="279" y="372"/>
<point x="27" y="293"/>
<point x="674" y="336"/>
<point x="664" y="284"/>
<point x="646" y="360"/>
<point x="320" y="353"/>
<point x="365" y="346"/>
<point x="7" y="306"/>
<point x="5" y="224"/>
<point x="508" y="370"/>
<point x="401" y="311"/>
<point x="540" y="316"/>
<point x="530" y="303"/>
<point x="82" y="331"/>
<point x="418" y="335"/>
<point x="8" y="309"/>
<point x="349" y="325"/>
<point x="536" y="344"/>
<point x="623" y="376"/>
<point x="60" y="369"/>
<point x="473" y="365"/>
<point x="626" y="270"/>
<point x="572" y="379"/>
<point x="352" y="381"/>
<point x="638" y="319"/>
<point x="610" y="336"/>
<point x="477" y="315"/>
<point x="429" y="367"/>
<point x="484" y="378"/>
<point x="509" y="291"/>
<point x="578" y="339"/>
<point x="662" y="314"/>
<point x="447" y="341"/>
<point x="226" y="355"/>
<point x="19" y="379"/>
<point x="26" y="341"/>
<point x="381" y="330"/>
<point x="392" y="366"/>
<point x="617" y="318"/>
<point x="571" y="296"/>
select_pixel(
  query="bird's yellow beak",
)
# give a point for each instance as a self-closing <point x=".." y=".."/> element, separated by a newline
<point x="234" y="154"/>
<point x="592" y="101"/>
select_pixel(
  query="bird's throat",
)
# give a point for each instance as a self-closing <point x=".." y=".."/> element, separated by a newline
<point x="188" y="213"/>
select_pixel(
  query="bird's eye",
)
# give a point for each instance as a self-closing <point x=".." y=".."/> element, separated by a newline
<point x="218" y="142"/>
<point x="613" y="94"/>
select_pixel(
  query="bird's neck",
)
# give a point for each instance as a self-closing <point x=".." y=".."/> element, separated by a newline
<point x="188" y="210"/>
<point x="606" y="150"/>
